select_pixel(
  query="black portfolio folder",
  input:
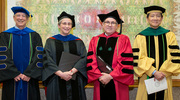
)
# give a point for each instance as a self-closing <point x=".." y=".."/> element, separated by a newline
<point x="67" y="62"/>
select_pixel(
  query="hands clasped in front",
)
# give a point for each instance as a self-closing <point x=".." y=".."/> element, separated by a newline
<point x="23" y="77"/>
<point x="66" y="75"/>
<point x="105" y="78"/>
<point x="159" y="75"/>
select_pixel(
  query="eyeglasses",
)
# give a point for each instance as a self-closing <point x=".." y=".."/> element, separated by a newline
<point x="18" y="15"/>
<point x="112" y="23"/>
<point x="64" y="23"/>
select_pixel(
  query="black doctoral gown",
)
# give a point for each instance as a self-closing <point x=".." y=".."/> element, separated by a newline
<point x="57" y="88"/>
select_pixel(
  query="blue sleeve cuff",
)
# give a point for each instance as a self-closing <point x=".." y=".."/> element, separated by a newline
<point x="153" y="72"/>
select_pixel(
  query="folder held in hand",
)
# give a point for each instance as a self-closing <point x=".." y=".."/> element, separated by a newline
<point x="103" y="66"/>
<point x="67" y="62"/>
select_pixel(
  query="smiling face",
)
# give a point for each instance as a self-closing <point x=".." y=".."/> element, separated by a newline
<point x="20" y="19"/>
<point x="110" y="25"/>
<point x="65" y="26"/>
<point x="154" y="19"/>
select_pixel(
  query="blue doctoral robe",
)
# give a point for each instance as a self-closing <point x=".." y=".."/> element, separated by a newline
<point x="21" y="58"/>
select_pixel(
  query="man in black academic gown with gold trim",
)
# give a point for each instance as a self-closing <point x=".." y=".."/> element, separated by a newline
<point x="157" y="55"/>
<point x="20" y="59"/>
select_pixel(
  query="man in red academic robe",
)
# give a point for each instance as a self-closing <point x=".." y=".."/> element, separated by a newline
<point x="115" y="49"/>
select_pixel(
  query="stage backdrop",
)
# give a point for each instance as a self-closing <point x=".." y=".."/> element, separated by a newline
<point x="45" y="14"/>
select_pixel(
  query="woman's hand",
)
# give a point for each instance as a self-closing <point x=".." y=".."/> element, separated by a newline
<point x="64" y="75"/>
<point x="73" y="70"/>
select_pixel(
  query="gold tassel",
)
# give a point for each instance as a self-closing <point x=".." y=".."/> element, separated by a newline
<point x="71" y="32"/>
<point x="30" y="18"/>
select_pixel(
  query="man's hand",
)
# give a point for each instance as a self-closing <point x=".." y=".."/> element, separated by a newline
<point x="25" y="78"/>
<point x="105" y="78"/>
<point x="159" y="75"/>
<point x="18" y="78"/>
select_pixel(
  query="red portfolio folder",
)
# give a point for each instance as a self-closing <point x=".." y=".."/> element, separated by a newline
<point x="103" y="66"/>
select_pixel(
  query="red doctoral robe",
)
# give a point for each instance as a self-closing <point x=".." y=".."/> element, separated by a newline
<point x="122" y="64"/>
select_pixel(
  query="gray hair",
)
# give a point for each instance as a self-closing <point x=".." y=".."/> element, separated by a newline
<point x="60" y="20"/>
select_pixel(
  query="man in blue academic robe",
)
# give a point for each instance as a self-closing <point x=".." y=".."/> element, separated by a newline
<point x="20" y="59"/>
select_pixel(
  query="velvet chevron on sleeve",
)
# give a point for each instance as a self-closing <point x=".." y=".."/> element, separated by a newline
<point x="57" y="88"/>
<point x="159" y="53"/>
<point x="117" y="52"/>
<point x="20" y="52"/>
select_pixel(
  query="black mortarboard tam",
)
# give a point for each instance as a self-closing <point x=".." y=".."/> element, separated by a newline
<point x="114" y="14"/>
<point x="66" y="15"/>
<point x="154" y="8"/>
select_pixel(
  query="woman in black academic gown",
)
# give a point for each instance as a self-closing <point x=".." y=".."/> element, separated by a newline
<point x="60" y="85"/>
